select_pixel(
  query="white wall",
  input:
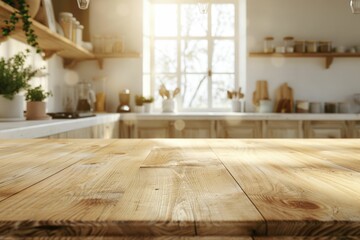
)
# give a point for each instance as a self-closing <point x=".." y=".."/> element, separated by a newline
<point x="305" y="20"/>
<point x="116" y="18"/>
<point x="53" y="82"/>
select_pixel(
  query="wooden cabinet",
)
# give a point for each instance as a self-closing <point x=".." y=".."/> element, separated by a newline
<point x="282" y="129"/>
<point x="327" y="129"/>
<point x="239" y="129"/>
<point x="151" y="129"/>
<point x="193" y="128"/>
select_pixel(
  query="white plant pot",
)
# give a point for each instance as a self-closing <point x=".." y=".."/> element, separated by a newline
<point x="12" y="109"/>
<point x="147" y="107"/>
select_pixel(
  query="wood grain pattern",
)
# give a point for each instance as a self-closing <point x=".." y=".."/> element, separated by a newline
<point x="296" y="194"/>
<point x="179" y="189"/>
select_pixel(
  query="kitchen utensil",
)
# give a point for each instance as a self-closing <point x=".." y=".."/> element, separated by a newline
<point x="284" y="99"/>
<point x="261" y="92"/>
<point x="176" y="92"/>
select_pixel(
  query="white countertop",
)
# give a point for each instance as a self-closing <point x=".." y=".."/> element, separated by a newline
<point x="42" y="128"/>
<point x="240" y="116"/>
<point x="36" y="129"/>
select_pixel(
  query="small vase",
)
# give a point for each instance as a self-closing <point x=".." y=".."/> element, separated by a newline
<point x="12" y="109"/>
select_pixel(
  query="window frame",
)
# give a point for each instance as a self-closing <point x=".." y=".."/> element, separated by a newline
<point x="179" y="38"/>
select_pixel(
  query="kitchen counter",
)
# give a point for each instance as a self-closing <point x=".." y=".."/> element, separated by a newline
<point x="167" y="187"/>
<point x="240" y="116"/>
<point x="41" y="128"/>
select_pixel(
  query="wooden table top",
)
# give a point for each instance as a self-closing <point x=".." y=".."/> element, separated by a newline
<point x="180" y="187"/>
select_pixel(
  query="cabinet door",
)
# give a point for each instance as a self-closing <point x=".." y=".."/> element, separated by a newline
<point x="239" y="129"/>
<point x="327" y="129"/>
<point x="282" y="129"/>
<point x="152" y="129"/>
<point x="194" y="128"/>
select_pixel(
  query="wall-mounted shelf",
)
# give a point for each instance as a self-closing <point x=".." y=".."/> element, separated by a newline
<point x="50" y="42"/>
<point x="329" y="57"/>
<point x="100" y="57"/>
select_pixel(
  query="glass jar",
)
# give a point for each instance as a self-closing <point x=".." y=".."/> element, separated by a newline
<point x="289" y="44"/>
<point x="66" y="24"/>
<point x="325" y="47"/>
<point x="311" y="46"/>
<point x="268" y="45"/>
<point x="299" y="46"/>
<point x="79" y="34"/>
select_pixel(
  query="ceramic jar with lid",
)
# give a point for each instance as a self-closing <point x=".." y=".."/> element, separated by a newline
<point x="325" y="47"/>
<point x="268" y="45"/>
<point x="289" y="44"/>
<point x="311" y="46"/>
<point x="299" y="46"/>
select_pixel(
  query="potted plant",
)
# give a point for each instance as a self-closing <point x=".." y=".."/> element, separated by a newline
<point x="14" y="77"/>
<point x="35" y="106"/>
<point x="23" y="12"/>
<point x="148" y="104"/>
<point x="139" y="104"/>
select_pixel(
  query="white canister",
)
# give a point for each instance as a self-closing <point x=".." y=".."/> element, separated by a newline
<point x="169" y="105"/>
<point x="315" y="107"/>
<point x="266" y="106"/>
<point x="237" y="105"/>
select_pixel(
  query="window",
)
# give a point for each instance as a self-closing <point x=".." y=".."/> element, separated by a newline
<point x="196" y="52"/>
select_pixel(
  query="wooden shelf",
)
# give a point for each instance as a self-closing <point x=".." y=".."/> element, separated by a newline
<point x="329" y="57"/>
<point x="50" y="42"/>
<point x="101" y="57"/>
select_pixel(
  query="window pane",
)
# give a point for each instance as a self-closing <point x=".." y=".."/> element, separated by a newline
<point x="222" y="83"/>
<point x="170" y="82"/>
<point x="165" y="20"/>
<point x="193" y="23"/>
<point x="224" y="56"/>
<point x="194" y="56"/>
<point x="223" y="20"/>
<point x="165" y="56"/>
<point x="194" y="91"/>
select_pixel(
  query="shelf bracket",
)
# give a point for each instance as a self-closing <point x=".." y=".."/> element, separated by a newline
<point x="100" y="62"/>
<point x="70" y="63"/>
<point x="329" y="61"/>
<point x="48" y="54"/>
